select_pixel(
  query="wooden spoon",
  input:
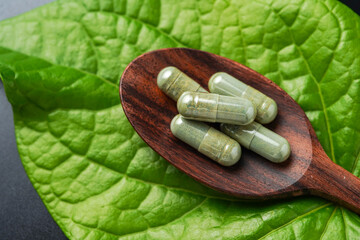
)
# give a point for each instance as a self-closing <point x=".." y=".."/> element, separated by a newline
<point x="307" y="171"/>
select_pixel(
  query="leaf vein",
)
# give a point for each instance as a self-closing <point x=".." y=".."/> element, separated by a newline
<point x="297" y="218"/>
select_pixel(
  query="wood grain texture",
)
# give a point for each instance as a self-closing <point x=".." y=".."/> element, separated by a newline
<point x="307" y="171"/>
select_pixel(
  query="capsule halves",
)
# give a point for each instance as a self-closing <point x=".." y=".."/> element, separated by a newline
<point x="173" y="82"/>
<point x="207" y="140"/>
<point x="260" y="140"/>
<point x="210" y="107"/>
<point x="224" y="84"/>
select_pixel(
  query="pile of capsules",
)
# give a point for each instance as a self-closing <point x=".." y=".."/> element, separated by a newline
<point x="233" y="104"/>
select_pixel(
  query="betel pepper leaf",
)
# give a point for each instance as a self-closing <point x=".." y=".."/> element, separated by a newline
<point x="61" y="64"/>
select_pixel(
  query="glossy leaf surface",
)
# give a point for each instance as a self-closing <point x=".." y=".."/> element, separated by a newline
<point x="61" y="64"/>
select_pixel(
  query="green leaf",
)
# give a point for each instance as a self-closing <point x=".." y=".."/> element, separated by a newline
<point x="61" y="64"/>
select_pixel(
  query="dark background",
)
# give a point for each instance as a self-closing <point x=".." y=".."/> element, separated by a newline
<point x="22" y="213"/>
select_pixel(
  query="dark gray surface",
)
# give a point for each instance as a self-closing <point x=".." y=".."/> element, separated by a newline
<point x="353" y="4"/>
<point x="10" y="8"/>
<point x="22" y="213"/>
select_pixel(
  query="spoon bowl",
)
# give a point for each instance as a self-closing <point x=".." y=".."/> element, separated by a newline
<point x="307" y="171"/>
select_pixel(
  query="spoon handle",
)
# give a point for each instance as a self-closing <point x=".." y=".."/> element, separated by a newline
<point x="326" y="179"/>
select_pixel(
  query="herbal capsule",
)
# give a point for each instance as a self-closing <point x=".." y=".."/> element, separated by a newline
<point x="223" y="83"/>
<point x="207" y="140"/>
<point x="210" y="107"/>
<point x="260" y="140"/>
<point x="173" y="82"/>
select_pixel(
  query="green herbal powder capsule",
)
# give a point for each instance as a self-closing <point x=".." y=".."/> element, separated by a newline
<point x="210" y="107"/>
<point x="173" y="82"/>
<point x="224" y="84"/>
<point x="260" y="140"/>
<point x="207" y="140"/>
